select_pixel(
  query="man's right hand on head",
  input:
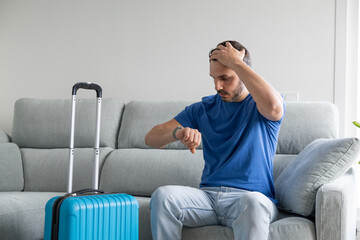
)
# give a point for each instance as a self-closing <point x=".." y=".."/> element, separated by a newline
<point x="191" y="138"/>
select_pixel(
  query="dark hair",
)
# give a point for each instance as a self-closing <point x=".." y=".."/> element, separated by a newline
<point x="238" y="46"/>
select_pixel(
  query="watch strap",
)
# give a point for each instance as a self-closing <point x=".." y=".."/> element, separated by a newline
<point x="175" y="130"/>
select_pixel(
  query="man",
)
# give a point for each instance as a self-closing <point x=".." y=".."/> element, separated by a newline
<point x="239" y="128"/>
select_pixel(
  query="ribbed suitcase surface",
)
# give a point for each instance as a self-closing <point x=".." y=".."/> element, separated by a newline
<point x="96" y="217"/>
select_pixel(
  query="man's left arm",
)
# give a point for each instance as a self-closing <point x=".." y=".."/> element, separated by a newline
<point x="269" y="101"/>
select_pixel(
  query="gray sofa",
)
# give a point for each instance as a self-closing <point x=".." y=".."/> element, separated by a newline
<point x="33" y="165"/>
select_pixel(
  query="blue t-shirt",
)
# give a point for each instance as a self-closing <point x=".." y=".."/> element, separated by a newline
<point x="239" y="143"/>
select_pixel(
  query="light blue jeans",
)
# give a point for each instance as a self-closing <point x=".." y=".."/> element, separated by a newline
<point x="249" y="214"/>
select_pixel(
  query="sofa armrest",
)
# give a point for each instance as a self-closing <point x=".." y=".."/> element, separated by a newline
<point x="11" y="168"/>
<point x="4" y="138"/>
<point x="335" y="210"/>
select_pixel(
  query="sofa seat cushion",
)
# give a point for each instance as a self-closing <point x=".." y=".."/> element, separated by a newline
<point x="47" y="170"/>
<point x="288" y="226"/>
<point x="140" y="172"/>
<point x="294" y="228"/>
<point x="144" y="218"/>
<point x="22" y="214"/>
<point x="320" y="162"/>
<point x="11" y="168"/>
<point x="214" y="232"/>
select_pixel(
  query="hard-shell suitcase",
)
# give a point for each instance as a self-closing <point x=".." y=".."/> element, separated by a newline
<point x="90" y="214"/>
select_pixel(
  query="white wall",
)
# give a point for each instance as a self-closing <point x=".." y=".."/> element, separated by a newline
<point x="346" y="86"/>
<point x="157" y="50"/>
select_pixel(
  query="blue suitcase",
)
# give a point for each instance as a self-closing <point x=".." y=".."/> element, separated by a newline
<point x="91" y="214"/>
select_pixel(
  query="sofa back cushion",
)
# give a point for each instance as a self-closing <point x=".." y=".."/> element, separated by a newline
<point x="46" y="170"/>
<point x="140" y="116"/>
<point x="46" y="123"/>
<point x="11" y="168"/>
<point x="304" y="122"/>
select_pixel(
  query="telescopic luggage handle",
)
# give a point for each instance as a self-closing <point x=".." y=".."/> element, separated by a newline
<point x="97" y="88"/>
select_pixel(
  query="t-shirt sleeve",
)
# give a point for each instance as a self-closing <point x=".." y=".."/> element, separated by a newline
<point x="189" y="116"/>
<point x="274" y="126"/>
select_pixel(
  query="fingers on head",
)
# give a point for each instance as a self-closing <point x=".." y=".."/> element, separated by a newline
<point x="227" y="44"/>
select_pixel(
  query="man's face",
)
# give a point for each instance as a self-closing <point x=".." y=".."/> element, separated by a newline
<point x="227" y="83"/>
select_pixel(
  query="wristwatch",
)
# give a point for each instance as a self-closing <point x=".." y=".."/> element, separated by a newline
<point x="175" y="130"/>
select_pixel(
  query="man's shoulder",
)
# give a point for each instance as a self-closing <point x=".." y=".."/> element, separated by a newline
<point x="204" y="101"/>
<point x="209" y="99"/>
<point x="201" y="106"/>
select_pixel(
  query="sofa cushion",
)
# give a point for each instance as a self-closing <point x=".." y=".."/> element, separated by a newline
<point x="47" y="169"/>
<point x="294" y="228"/>
<point x="304" y="122"/>
<point x="320" y="162"/>
<point x="144" y="218"/>
<point x="4" y="138"/>
<point x="140" y="117"/>
<point x="22" y="214"/>
<point x="214" y="232"/>
<point x="46" y="123"/>
<point x="141" y="171"/>
<point x="11" y="168"/>
<point x="287" y="226"/>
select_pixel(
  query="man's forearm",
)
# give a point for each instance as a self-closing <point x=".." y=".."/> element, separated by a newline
<point x="159" y="137"/>
<point x="268" y="100"/>
<point x="171" y="131"/>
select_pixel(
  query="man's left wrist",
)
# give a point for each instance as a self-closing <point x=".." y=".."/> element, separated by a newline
<point x="174" y="132"/>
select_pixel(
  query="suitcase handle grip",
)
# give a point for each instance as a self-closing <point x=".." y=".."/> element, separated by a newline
<point x="87" y="85"/>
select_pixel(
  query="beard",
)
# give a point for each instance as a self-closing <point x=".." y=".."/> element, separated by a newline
<point x="234" y="96"/>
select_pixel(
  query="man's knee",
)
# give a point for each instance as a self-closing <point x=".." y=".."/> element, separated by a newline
<point x="256" y="204"/>
<point x="254" y="200"/>
<point x="250" y="205"/>
<point x="164" y="195"/>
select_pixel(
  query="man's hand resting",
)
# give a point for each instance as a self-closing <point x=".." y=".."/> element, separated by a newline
<point x="191" y="138"/>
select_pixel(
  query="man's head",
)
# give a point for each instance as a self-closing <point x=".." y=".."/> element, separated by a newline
<point x="238" y="46"/>
<point x="227" y="83"/>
